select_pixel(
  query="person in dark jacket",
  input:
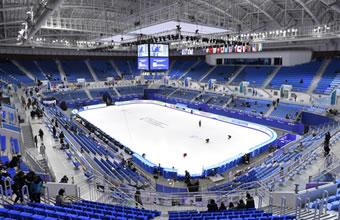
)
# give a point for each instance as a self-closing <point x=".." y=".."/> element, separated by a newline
<point x="241" y="205"/>
<point x="231" y="206"/>
<point x="222" y="207"/>
<point x="41" y="134"/>
<point x="250" y="202"/>
<point x="212" y="206"/>
<point x="19" y="182"/>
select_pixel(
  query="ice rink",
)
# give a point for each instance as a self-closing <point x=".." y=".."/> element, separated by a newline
<point x="165" y="134"/>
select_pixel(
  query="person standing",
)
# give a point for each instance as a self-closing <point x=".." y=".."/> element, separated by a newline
<point x="54" y="131"/>
<point x="19" y="182"/>
<point x="250" y="202"/>
<point x="35" y="189"/>
<point x="36" y="141"/>
<point x="42" y="149"/>
<point x="199" y="123"/>
<point x="138" y="198"/>
<point x="41" y="134"/>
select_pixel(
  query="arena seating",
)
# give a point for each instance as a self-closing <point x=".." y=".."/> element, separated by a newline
<point x="131" y="90"/>
<point x="180" y="67"/>
<point x="255" y="105"/>
<point x="8" y="78"/>
<point x="289" y="109"/>
<point x="103" y="69"/>
<point x="30" y="66"/>
<point x="299" y="76"/>
<point x="218" y="100"/>
<point x="221" y="73"/>
<point x="97" y="93"/>
<point x="78" y="210"/>
<point x="250" y="214"/>
<point x="128" y="68"/>
<point x="9" y="70"/>
<point x="49" y="67"/>
<point x="197" y="72"/>
<point x="255" y="75"/>
<point x="75" y="69"/>
<point x="185" y="94"/>
<point x="204" y="97"/>
<point x="165" y="91"/>
<point x="330" y="78"/>
<point x="68" y="95"/>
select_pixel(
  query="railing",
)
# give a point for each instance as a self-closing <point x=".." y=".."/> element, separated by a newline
<point x="294" y="164"/>
<point x="298" y="207"/>
<point x="283" y="205"/>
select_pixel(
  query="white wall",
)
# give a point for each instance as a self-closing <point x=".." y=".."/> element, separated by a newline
<point x="289" y="58"/>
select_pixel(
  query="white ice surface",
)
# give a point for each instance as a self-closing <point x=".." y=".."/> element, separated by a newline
<point x="165" y="134"/>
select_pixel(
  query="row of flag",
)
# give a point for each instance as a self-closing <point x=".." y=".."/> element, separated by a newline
<point x="234" y="49"/>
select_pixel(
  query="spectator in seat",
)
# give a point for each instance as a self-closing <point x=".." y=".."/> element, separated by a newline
<point x="64" y="179"/>
<point x="212" y="206"/>
<point x="231" y="205"/>
<point x="222" y="207"/>
<point x="241" y="205"/>
<point x="250" y="202"/>
<point x="60" y="198"/>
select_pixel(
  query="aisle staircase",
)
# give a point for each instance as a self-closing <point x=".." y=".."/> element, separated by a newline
<point x="270" y="77"/>
<point x="27" y="135"/>
<point x="28" y="74"/>
<point x="61" y="71"/>
<point x="305" y="214"/>
<point x="236" y="74"/>
<point x="206" y="75"/>
<point x="188" y="71"/>
<point x="318" y="75"/>
<point x="91" y="70"/>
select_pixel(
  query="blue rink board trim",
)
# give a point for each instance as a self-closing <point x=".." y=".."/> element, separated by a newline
<point x="220" y="167"/>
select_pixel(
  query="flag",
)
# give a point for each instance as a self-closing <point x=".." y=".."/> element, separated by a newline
<point x="222" y="49"/>
<point x="239" y="49"/>
<point x="214" y="50"/>
<point x="218" y="50"/>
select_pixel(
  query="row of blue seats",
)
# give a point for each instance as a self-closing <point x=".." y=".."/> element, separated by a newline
<point x="250" y="214"/>
<point x="13" y="74"/>
<point x="330" y="78"/>
<point x="75" y="69"/>
<point x="180" y="67"/>
<point x="32" y="68"/>
<point x="49" y="67"/>
<point x="103" y="69"/>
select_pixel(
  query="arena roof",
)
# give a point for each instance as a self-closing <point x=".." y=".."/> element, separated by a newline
<point x="47" y="22"/>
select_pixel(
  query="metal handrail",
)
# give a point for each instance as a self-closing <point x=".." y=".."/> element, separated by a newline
<point x="8" y="185"/>
<point x="324" y="200"/>
<point x="24" y="190"/>
<point x="298" y="207"/>
<point x="316" y="208"/>
<point x="2" y="195"/>
<point x="283" y="205"/>
<point x="271" y="200"/>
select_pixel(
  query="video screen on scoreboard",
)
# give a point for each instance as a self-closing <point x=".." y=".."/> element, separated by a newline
<point x="159" y="50"/>
<point x="143" y="63"/>
<point x="159" y="63"/>
<point x="143" y="50"/>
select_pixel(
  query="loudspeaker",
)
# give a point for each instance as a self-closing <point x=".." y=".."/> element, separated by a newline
<point x="63" y="106"/>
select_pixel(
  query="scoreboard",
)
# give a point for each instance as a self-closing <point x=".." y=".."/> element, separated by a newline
<point x="153" y="57"/>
